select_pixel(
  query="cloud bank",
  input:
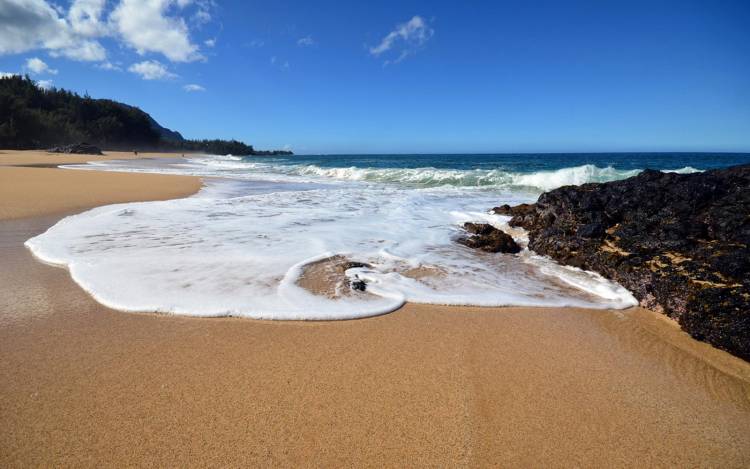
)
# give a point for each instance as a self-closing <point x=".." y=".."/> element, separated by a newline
<point x="145" y="26"/>
<point x="34" y="24"/>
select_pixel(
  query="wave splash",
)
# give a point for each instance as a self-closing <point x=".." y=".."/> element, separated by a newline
<point x="429" y="177"/>
<point x="433" y="177"/>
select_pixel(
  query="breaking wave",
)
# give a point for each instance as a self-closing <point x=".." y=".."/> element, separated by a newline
<point x="436" y="177"/>
<point x="432" y="177"/>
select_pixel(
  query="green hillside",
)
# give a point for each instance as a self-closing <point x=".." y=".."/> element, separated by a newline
<point x="35" y="118"/>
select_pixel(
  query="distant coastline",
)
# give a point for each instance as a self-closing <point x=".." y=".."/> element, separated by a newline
<point x="33" y="118"/>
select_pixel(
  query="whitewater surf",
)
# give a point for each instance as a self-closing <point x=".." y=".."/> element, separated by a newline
<point x="244" y="244"/>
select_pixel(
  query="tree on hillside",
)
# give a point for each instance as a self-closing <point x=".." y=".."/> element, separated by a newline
<point x="32" y="117"/>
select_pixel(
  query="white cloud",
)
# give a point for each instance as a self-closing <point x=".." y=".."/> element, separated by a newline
<point x="151" y="70"/>
<point x="108" y="66"/>
<point x="27" y="24"/>
<point x="85" y="17"/>
<point x="7" y="74"/>
<point x="74" y="31"/>
<point x="407" y="37"/>
<point x="202" y="16"/>
<point x="87" y="51"/>
<point x="145" y="26"/>
<point x="193" y="87"/>
<point x="306" y="41"/>
<point x="38" y="66"/>
<point x="34" y="24"/>
<point x="44" y="84"/>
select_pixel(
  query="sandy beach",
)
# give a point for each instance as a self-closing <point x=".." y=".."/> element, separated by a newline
<point x="30" y="184"/>
<point x="82" y="385"/>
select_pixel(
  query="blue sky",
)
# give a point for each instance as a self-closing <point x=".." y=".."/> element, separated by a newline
<point x="405" y="76"/>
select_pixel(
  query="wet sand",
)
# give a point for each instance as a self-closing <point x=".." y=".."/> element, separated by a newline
<point x="83" y="385"/>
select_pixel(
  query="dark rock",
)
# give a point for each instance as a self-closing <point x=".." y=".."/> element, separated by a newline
<point x="519" y="211"/>
<point x="482" y="229"/>
<point x="522" y="209"/>
<point x="679" y="242"/>
<point x="77" y="149"/>
<point x="488" y="238"/>
<point x="358" y="285"/>
<point x="591" y="230"/>
<point x="346" y="265"/>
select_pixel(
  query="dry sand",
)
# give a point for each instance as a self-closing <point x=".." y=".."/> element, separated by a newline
<point x="82" y="385"/>
<point x="31" y="186"/>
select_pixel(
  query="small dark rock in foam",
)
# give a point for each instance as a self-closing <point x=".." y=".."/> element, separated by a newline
<point x="356" y="284"/>
<point x="488" y="238"/>
<point x="679" y="242"/>
<point x="77" y="149"/>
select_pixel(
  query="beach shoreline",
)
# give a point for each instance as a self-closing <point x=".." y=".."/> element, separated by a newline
<point x="84" y="385"/>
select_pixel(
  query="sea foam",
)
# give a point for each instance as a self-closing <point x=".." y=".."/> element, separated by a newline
<point x="220" y="254"/>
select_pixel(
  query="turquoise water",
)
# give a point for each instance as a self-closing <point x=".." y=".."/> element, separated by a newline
<point x="520" y="162"/>
<point x="527" y="172"/>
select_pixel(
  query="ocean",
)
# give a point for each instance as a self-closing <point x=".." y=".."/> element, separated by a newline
<point x="263" y="229"/>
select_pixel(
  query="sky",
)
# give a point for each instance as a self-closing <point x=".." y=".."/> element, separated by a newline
<point x="405" y="76"/>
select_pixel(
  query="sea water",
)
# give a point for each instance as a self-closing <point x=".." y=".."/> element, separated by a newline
<point x="240" y="246"/>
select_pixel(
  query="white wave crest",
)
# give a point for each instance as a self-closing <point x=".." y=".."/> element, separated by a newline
<point x="493" y="178"/>
<point x="425" y="177"/>
<point x="685" y="170"/>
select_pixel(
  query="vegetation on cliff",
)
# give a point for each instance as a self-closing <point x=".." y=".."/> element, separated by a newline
<point x="35" y="118"/>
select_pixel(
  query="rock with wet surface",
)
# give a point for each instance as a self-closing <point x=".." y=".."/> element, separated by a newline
<point x="488" y="238"/>
<point x="679" y="242"/>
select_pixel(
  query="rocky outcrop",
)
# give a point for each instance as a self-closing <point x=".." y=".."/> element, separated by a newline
<point x="679" y="242"/>
<point x="488" y="238"/>
<point x="77" y="149"/>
